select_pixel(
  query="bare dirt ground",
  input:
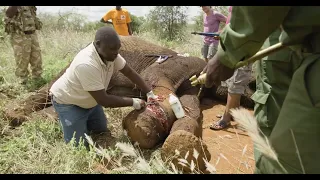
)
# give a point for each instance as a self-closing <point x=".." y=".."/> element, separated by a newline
<point x="231" y="149"/>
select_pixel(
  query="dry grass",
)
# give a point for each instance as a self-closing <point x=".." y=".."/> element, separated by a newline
<point x="249" y="123"/>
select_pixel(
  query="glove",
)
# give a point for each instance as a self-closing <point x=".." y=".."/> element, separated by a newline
<point x="151" y="95"/>
<point x="200" y="80"/>
<point x="138" y="103"/>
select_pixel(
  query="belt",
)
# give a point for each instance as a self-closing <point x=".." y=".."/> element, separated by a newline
<point x="28" y="32"/>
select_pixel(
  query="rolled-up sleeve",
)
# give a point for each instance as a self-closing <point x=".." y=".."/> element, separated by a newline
<point x="119" y="63"/>
<point x="248" y="29"/>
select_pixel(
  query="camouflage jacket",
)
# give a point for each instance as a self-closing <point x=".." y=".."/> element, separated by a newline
<point x="25" y="20"/>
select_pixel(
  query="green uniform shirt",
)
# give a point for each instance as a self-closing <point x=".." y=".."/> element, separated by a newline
<point x="250" y="26"/>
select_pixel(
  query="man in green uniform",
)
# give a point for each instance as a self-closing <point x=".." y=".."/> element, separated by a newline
<point x="21" y="23"/>
<point x="287" y="97"/>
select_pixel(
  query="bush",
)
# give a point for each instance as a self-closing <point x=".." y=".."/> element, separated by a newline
<point x="198" y="22"/>
<point x="168" y="22"/>
<point x="137" y="22"/>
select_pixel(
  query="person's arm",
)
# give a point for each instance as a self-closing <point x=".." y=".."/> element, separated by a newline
<point x="107" y="17"/>
<point x="242" y="38"/>
<point x="221" y="17"/>
<point x="110" y="101"/>
<point x="129" y="29"/>
<point x="11" y="11"/>
<point x="128" y="21"/>
<point x="103" y="21"/>
<point x="247" y="31"/>
<point x="91" y="82"/>
<point x="135" y="78"/>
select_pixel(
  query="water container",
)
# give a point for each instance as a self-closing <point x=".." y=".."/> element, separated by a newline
<point x="176" y="106"/>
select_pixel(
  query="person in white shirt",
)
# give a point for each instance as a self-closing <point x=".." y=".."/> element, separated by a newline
<point x="79" y="94"/>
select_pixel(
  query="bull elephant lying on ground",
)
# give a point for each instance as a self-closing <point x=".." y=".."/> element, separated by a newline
<point x="155" y="123"/>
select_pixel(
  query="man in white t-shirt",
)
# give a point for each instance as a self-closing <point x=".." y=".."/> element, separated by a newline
<point x="79" y="94"/>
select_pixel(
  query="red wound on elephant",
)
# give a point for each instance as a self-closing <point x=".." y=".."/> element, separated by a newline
<point x="159" y="114"/>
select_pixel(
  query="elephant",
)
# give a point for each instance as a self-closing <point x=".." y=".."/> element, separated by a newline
<point x="156" y="123"/>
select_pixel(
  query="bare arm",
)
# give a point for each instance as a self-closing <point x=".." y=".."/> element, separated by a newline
<point x="103" y="21"/>
<point x="11" y="11"/>
<point x="221" y="17"/>
<point x="129" y="28"/>
<point x="110" y="101"/>
<point x="128" y="21"/>
<point x="135" y="78"/>
<point x="107" y="17"/>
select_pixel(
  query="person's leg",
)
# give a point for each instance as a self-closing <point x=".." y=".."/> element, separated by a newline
<point x="204" y="51"/>
<point x="213" y="48"/>
<point x="36" y="58"/>
<point x="21" y="45"/>
<point x="236" y="87"/>
<point x="73" y="120"/>
<point x="97" y="122"/>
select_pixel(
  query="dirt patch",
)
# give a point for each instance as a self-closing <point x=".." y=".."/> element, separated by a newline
<point x="231" y="149"/>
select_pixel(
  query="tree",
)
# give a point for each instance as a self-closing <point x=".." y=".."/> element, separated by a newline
<point x="198" y="22"/>
<point x="137" y="22"/>
<point x="168" y="21"/>
<point x="2" y="14"/>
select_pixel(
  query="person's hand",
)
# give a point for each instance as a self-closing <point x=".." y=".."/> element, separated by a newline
<point x="151" y="96"/>
<point x="216" y="72"/>
<point x="138" y="103"/>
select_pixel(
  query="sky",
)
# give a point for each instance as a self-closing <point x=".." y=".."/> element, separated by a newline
<point x="94" y="13"/>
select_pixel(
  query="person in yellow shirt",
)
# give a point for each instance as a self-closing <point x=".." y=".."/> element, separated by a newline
<point x="120" y="19"/>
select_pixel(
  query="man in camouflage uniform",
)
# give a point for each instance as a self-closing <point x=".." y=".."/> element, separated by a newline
<point x="287" y="97"/>
<point x="21" y="23"/>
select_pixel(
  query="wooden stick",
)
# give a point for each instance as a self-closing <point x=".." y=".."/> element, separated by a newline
<point x="261" y="54"/>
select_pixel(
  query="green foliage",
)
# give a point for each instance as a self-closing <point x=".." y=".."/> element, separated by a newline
<point x="89" y="26"/>
<point x="69" y="21"/>
<point x="198" y="22"/>
<point x="2" y="13"/>
<point x="168" y="22"/>
<point x="137" y="22"/>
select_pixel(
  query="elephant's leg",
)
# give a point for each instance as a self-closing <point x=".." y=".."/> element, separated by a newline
<point x="35" y="102"/>
<point x="186" y="133"/>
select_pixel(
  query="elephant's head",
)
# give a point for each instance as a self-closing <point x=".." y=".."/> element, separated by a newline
<point x="151" y="125"/>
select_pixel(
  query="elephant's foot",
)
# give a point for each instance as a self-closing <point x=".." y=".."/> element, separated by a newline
<point x="180" y="146"/>
<point x="15" y="116"/>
